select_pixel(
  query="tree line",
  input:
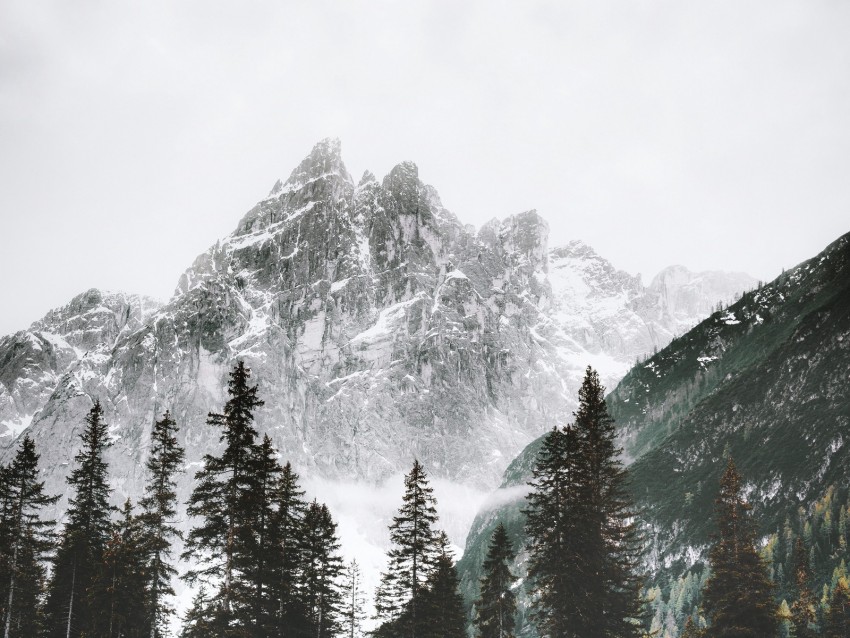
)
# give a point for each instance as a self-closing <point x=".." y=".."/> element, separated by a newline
<point x="266" y="562"/>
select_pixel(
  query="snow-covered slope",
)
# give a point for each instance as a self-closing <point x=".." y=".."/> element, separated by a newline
<point x="378" y="327"/>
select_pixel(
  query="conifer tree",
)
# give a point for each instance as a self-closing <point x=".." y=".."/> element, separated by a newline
<point x="287" y="522"/>
<point x="266" y="476"/>
<point x="117" y="593"/>
<point x="837" y="623"/>
<point x="26" y="539"/>
<point x="353" y="612"/>
<point x="738" y="596"/>
<point x="613" y="545"/>
<point x="221" y="543"/>
<point x="496" y="606"/>
<point x="198" y="622"/>
<point x="159" y="509"/>
<point x="84" y="536"/>
<point x="803" y="612"/>
<point x="411" y="558"/>
<point x="557" y="544"/>
<point x="322" y="568"/>
<point x="691" y="630"/>
<point x="441" y="614"/>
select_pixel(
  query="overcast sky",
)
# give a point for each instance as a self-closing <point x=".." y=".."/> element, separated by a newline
<point x="133" y="135"/>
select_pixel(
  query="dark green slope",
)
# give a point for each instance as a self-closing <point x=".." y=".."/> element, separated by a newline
<point x="767" y="380"/>
<point x="778" y="400"/>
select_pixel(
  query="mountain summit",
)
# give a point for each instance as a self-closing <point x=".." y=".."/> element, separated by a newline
<point x="379" y="328"/>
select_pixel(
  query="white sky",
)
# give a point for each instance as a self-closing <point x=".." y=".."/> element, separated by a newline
<point x="134" y="134"/>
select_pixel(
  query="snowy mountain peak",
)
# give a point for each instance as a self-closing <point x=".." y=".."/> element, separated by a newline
<point x="368" y="178"/>
<point x="378" y="327"/>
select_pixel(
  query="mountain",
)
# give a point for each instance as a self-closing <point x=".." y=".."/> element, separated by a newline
<point x="764" y="379"/>
<point x="378" y="327"/>
<point x="33" y="362"/>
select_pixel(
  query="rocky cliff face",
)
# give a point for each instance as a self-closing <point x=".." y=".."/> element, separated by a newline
<point x="378" y="327"/>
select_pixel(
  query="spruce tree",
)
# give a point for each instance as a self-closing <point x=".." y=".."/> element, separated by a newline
<point x="613" y="545"/>
<point x="837" y="623"/>
<point x="353" y="610"/>
<point x="557" y="543"/>
<point x="496" y="606"/>
<point x="158" y="519"/>
<point x="321" y="571"/>
<point x="26" y="539"/>
<point x="264" y="541"/>
<point x="198" y="622"/>
<point x="221" y="543"/>
<point x="803" y="612"/>
<point x="286" y="556"/>
<point x="410" y="559"/>
<point x="441" y="614"/>
<point x="738" y="596"/>
<point x="84" y="536"/>
<point x="117" y="593"/>
<point x="691" y="630"/>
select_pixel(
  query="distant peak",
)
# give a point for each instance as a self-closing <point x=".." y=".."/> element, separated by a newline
<point x="403" y="171"/>
<point x="575" y="248"/>
<point x="368" y="177"/>
<point x="324" y="161"/>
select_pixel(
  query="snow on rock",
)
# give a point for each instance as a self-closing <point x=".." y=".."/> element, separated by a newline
<point x="379" y="329"/>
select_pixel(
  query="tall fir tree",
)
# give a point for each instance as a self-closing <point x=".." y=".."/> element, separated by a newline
<point x="266" y="473"/>
<point x="220" y="545"/>
<point x="321" y="571"/>
<point x="837" y="623"/>
<point x="803" y="609"/>
<point x="26" y="540"/>
<point x="441" y="613"/>
<point x="197" y="622"/>
<point x="738" y="596"/>
<point x="495" y="608"/>
<point x="117" y="593"/>
<point x="159" y="524"/>
<point x="411" y="558"/>
<point x="286" y="556"/>
<point x="584" y="544"/>
<point x="613" y="544"/>
<point x="84" y="536"/>
<point x="353" y="610"/>
<point x="557" y="542"/>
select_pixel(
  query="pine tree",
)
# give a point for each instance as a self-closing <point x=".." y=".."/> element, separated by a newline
<point x="286" y="556"/>
<point x="411" y="557"/>
<point x="803" y="609"/>
<point x="159" y="509"/>
<point x="84" y="536"/>
<point x="322" y="568"/>
<point x="441" y="614"/>
<point x="26" y="539"/>
<point x="264" y="541"/>
<point x="221" y="543"/>
<point x="613" y="546"/>
<point x="496" y="607"/>
<point x="117" y="593"/>
<point x="584" y="545"/>
<point x="837" y="623"/>
<point x="691" y="630"/>
<point x="198" y="621"/>
<point x="557" y="543"/>
<point x="353" y="612"/>
<point x="738" y="596"/>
